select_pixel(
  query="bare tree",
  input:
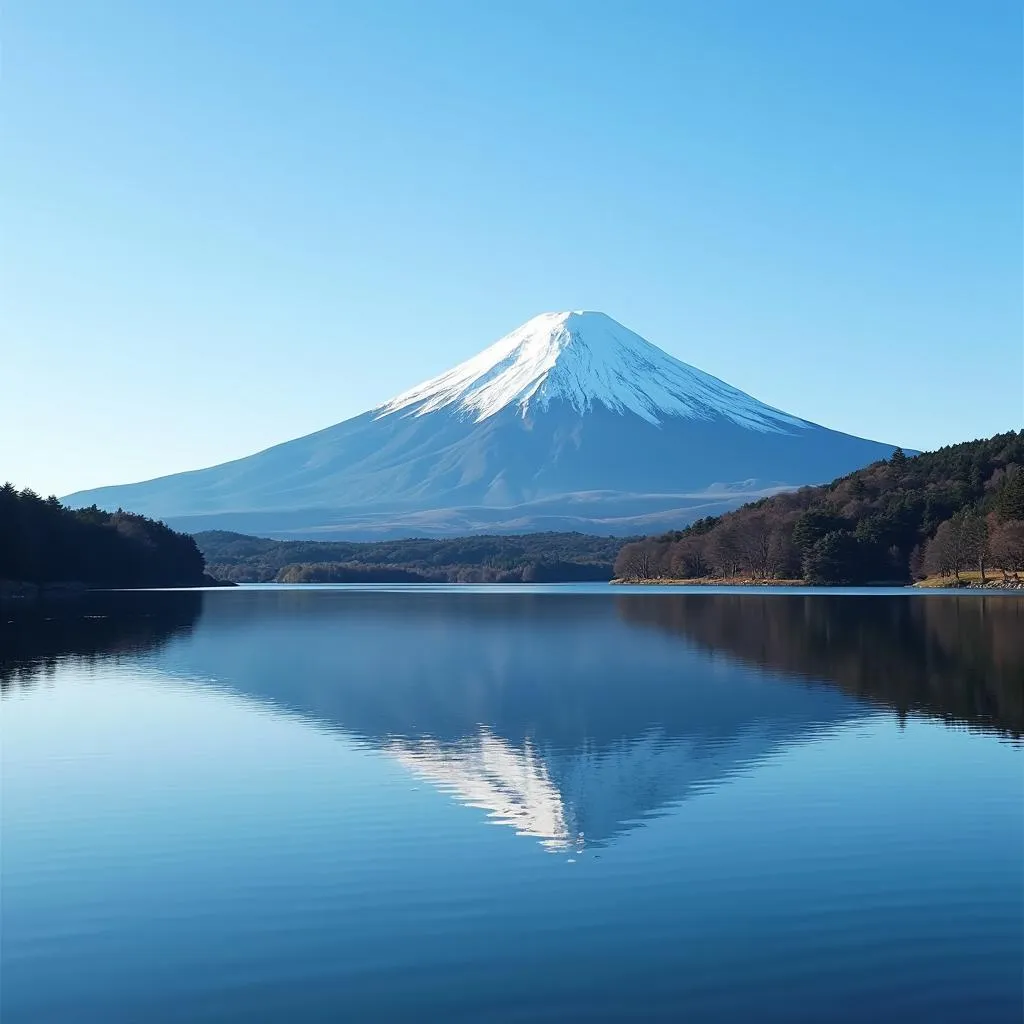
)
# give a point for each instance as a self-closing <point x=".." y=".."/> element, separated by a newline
<point x="945" y="555"/>
<point x="1007" y="546"/>
<point x="974" y="540"/>
<point x="636" y="562"/>
<point x="759" y="544"/>
<point x="689" y="559"/>
<point x="723" y="550"/>
<point x="958" y="543"/>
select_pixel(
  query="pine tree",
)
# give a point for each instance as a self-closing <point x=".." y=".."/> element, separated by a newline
<point x="917" y="570"/>
<point x="1010" y="496"/>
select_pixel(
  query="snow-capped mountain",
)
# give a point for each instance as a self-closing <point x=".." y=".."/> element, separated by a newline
<point x="572" y="421"/>
<point x="584" y="359"/>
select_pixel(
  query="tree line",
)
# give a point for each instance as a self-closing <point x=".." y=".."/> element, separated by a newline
<point x="527" y="558"/>
<point x="895" y="521"/>
<point x="45" y="542"/>
<point x="529" y="572"/>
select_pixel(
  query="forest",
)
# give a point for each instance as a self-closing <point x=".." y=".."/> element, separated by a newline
<point x="945" y="513"/>
<point x="527" y="558"/>
<point x="44" y="542"/>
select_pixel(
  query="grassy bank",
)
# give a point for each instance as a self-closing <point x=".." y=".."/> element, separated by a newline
<point x="713" y="581"/>
<point x="970" y="578"/>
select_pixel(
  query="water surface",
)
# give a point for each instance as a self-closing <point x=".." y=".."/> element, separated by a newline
<point x="342" y="804"/>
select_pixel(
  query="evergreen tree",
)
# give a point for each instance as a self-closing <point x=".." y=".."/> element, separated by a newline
<point x="814" y="524"/>
<point x="916" y="564"/>
<point x="42" y="541"/>
<point x="834" y="558"/>
<point x="1010" y="496"/>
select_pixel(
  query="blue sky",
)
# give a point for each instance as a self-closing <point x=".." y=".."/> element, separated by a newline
<point x="228" y="224"/>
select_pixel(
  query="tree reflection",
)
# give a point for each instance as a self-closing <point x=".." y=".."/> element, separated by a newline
<point x="36" y="637"/>
<point x="956" y="658"/>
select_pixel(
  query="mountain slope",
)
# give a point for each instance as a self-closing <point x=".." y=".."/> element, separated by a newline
<point x="570" y="422"/>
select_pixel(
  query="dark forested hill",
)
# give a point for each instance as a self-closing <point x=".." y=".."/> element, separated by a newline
<point x="942" y="512"/>
<point x="536" y="557"/>
<point x="43" y="542"/>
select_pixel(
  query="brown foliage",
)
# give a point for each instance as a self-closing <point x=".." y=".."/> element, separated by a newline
<point x="1007" y="545"/>
<point x="863" y="528"/>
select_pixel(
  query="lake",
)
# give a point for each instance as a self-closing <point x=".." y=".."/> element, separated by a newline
<point x="559" y="804"/>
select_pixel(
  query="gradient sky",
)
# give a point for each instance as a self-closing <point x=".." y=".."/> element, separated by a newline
<point x="227" y="224"/>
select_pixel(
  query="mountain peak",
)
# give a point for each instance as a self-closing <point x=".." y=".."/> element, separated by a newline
<point x="584" y="357"/>
<point x="574" y="316"/>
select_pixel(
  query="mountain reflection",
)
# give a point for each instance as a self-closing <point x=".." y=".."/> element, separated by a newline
<point x="573" y="718"/>
<point x="512" y="784"/>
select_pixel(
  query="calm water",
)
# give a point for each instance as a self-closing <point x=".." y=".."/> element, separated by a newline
<point x="333" y="805"/>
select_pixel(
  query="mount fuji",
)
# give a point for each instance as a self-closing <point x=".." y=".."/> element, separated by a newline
<point x="572" y="421"/>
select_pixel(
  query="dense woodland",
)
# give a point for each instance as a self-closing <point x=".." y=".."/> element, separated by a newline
<point x="44" y="542"/>
<point x="944" y="513"/>
<point x="529" y="558"/>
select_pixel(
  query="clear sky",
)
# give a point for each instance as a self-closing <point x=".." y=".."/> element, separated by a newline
<point x="227" y="224"/>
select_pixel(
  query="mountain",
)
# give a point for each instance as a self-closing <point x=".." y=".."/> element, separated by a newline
<point x="571" y="422"/>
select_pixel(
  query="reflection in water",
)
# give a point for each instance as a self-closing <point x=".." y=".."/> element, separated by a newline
<point x="548" y="711"/>
<point x="957" y="658"/>
<point x="213" y="811"/>
<point x="34" y="638"/>
<point x="573" y="798"/>
<point x="566" y="716"/>
<point x="513" y="785"/>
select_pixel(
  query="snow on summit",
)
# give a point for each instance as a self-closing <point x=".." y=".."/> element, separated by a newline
<point x="582" y="358"/>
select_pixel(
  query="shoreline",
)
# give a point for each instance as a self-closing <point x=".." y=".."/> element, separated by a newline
<point x="708" y="581"/>
<point x="932" y="583"/>
<point x="21" y="591"/>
